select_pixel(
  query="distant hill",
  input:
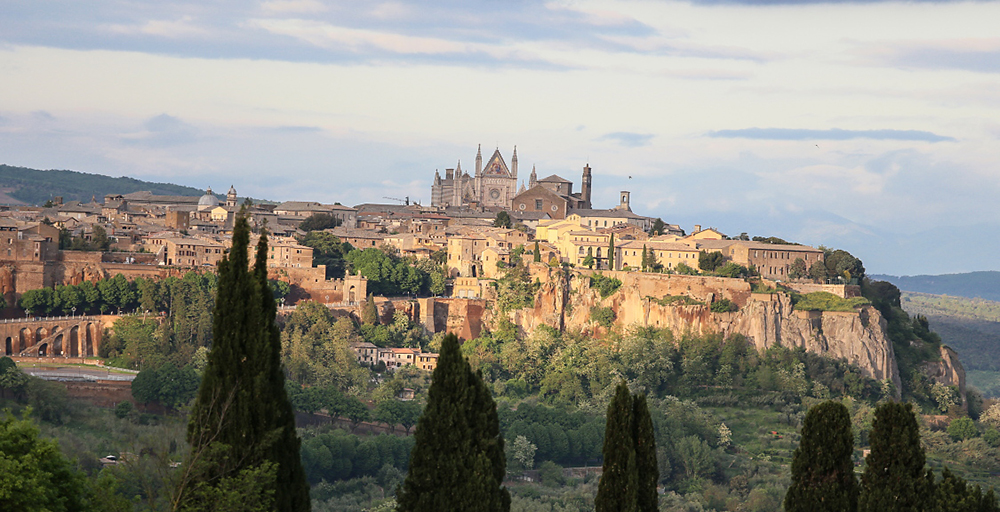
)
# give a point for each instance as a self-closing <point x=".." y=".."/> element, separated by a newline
<point x="984" y="284"/>
<point x="34" y="187"/>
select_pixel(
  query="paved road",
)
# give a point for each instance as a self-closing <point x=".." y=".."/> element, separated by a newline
<point x="74" y="373"/>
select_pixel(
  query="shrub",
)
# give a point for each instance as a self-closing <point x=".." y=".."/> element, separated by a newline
<point x="732" y="270"/>
<point x="602" y="315"/>
<point x="684" y="269"/>
<point x="992" y="437"/>
<point x="604" y="285"/>
<point x="724" y="306"/>
<point x="962" y="428"/>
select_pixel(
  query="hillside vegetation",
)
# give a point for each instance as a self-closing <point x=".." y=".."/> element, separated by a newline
<point x="33" y="186"/>
<point x="971" y="327"/>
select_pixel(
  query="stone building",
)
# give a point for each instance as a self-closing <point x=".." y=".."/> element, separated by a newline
<point x="493" y="185"/>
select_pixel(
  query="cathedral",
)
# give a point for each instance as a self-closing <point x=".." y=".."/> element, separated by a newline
<point x="494" y="184"/>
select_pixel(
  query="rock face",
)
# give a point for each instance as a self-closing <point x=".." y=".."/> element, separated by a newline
<point x="565" y="300"/>
<point x="948" y="371"/>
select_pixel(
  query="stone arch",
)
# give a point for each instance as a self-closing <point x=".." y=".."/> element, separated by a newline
<point x="41" y="333"/>
<point x="43" y="350"/>
<point x="24" y="339"/>
<point x="74" y="341"/>
<point x="93" y="339"/>
<point x="351" y="298"/>
<point x="87" y="348"/>
<point x="59" y="344"/>
<point x="9" y="346"/>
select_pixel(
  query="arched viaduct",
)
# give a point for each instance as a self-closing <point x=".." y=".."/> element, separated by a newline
<point x="55" y="337"/>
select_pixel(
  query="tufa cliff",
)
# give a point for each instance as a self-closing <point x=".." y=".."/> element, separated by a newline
<point x="565" y="300"/>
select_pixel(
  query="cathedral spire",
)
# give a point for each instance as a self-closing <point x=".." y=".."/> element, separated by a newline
<point x="479" y="160"/>
<point x="533" y="180"/>
<point x="521" y="190"/>
<point x="513" y="164"/>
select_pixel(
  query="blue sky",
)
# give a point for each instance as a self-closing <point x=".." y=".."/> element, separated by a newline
<point x="870" y="126"/>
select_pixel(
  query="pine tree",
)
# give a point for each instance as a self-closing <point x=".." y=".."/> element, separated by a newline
<point x="648" y="471"/>
<point x="822" y="470"/>
<point x="242" y="428"/>
<point x="619" y="485"/>
<point x="894" y="474"/>
<point x="457" y="462"/>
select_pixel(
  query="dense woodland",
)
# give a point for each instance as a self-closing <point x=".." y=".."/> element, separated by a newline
<point x="726" y="418"/>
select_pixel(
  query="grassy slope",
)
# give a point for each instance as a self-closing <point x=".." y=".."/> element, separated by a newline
<point x="35" y="187"/>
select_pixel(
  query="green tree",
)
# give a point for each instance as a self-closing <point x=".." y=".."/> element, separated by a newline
<point x="36" y="475"/>
<point x="659" y="227"/>
<point x="369" y="314"/>
<point x="319" y="222"/>
<point x="537" y="253"/>
<point x="588" y="261"/>
<point x="818" y="271"/>
<point x="618" y="489"/>
<point x="99" y="239"/>
<point x="962" y="428"/>
<point x="648" y="471"/>
<point x="242" y="424"/>
<point x="502" y="220"/>
<point x="893" y="480"/>
<point x="822" y="469"/>
<point x="458" y="461"/>
<point x="709" y="261"/>
<point x="328" y="250"/>
<point x="798" y="269"/>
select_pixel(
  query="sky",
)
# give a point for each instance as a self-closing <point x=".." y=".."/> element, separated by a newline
<point x="864" y="125"/>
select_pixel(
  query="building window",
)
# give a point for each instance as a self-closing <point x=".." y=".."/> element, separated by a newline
<point x="538" y="204"/>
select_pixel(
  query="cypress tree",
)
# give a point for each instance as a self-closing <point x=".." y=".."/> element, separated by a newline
<point x="457" y="462"/>
<point x="619" y="485"/>
<point x="538" y="252"/>
<point x="369" y="314"/>
<point x="894" y="480"/>
<point x="645" y="259"/>
<point x="242" y="421"/>
<point x="822" y="470"/>
<point x="648" y="471"/>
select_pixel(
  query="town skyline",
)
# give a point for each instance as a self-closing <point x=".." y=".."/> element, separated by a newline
<point x="872" y="131"/>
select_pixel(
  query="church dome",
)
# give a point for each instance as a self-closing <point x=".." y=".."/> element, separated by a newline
<point x="208" y="200"/>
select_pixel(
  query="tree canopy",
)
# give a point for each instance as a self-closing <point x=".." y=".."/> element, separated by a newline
<point x="458" y="460"/>
<point x="242" y="427"/>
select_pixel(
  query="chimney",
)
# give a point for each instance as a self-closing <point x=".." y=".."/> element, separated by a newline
<point x="697" y="228"/>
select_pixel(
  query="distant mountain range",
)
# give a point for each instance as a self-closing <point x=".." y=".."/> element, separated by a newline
<point x="20" y="185"/>
<point x="983" y="285"/>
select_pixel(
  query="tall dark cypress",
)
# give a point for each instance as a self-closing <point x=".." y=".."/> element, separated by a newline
<point x="457" y="462"/>
<point x="242" y="418"/>
<point x="618" y="488"/>
<point x="647" y="470"/>
<point x="894" y="479"/>
<point x="822" y="471"/>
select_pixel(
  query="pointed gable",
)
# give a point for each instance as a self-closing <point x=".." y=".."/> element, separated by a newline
<point x="496" y="167"/>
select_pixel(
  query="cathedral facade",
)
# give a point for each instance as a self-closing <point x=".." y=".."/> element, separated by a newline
<point x="494" y="184"/>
